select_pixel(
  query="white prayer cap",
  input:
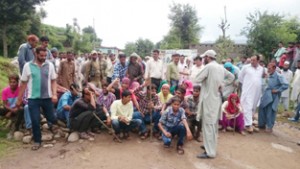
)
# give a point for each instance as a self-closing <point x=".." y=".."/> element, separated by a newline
<point x="94" y="52"/>
<point x="287" y="63"/>
<point x="209" y="53"/>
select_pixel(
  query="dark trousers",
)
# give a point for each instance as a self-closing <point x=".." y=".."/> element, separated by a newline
<point x="16" y="118"/>
<point x="83" y="121"/>
<point x="176" y="130"/>
<point x="35" y="106"/>
<point x="156" y="82"/>
<point x="297" y="116"/>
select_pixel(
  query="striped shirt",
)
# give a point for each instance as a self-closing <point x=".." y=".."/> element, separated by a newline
<point x="39" y="79"/>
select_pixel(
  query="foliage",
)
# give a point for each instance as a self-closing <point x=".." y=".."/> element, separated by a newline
<point x="224" y="47"/>
<point x="5" y="69"/>
<point x="185" y="29"/>
<point x="130" y="47"/>
<point x="265" y="30"/>
<point x="142" y="47"/>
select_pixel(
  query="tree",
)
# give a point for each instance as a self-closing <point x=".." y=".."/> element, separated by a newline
<point x="185" y="29"/>
<point x="144" y="47"/>
<point x="224" y="47"/>
<point x="265" y="30"/>
<point x="130" y="47"/>
<point x="12" y="13"/>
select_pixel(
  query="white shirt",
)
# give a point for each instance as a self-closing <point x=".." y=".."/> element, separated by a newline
<point x="288" y="76"/>
<point x="154" y="69"/>
<point x="195" y="70"/>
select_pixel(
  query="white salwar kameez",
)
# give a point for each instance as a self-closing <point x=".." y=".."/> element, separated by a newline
<point x="211" y="77"/>
<point x="251" y="79"/>
<point x="295" y="86"/>
<point x="285" y="95"/>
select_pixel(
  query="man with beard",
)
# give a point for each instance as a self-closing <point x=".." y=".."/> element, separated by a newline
<point x="40" y="78"/>
<point x="211" y="77"/>
<point x="44" y="44"/>
<point x="134" y="71"/>
<point x="288" y="75"/>
<point x="120" y="68"/>
<point x="66" y="71"/>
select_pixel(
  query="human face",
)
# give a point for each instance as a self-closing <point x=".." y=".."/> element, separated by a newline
<point x="206" y="59"/>
<point x="233" y="99"/>
<point x="155" y="55"/>
<point x="286" y="66"/>
<point x="126" y="99"/>
<point x="198" y="62"/>
<point x="196" y="93"/>
<point x="271" y="68"/>
<point x="125" y="86"/>
<point x="75" y="92"/>
<point x="165" y="90"/>
<point x="13" y="84"/>
<point x="41" y="57"/>
<point x="87" y="94"/>
<point x="33" y="43"/>
<point x="122" y="59"/>
<point x="45" y="44"/>
<point x="175" y="106"/>
<point x="70" y="57"/>
<point x="133" y="59"/>
<point x="280" y="45"/>
<point x="254" y="61"/>
<point x="54" y="54"/>
<point x="176" y="59"/>
<point x="112" y="57"/>
<point x="179" y="94"/>
<point x="104" y="89"/>
<point x="94" y="56"/>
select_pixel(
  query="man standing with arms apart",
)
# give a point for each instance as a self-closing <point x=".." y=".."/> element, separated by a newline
<point x="211" y="77"/>
<point x="251" y="78"/>
<point x="26" y="51"/>
<point x="154" y="69"/>
<point x="270" y="99"/>
<point x="40" y="78"/>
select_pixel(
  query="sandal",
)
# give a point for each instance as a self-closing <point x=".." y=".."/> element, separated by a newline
<point x="91" y="134"/>
<point x="180" y="150"/>
<point x="36" y="146"/>
<point x="144" y="136"/>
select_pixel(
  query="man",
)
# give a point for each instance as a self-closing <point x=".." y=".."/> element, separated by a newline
<point x="182" y="67"/>
<point x="295" y="94"/>
<point x="105" y="97"/>
<point x="66" y="72"/>
<point x="154" y="68"/>
<point x="65" y="102"/>
<point x="291" y="53"/>
<point x="56" y="60"/>
<point x="95" y="70"/>
<point x="26" y="51"/>
<point x="211" y="77"/>
<point x="196" y="68"/>
<point x="242" y="62"/>
<point x="134" y="71"/>
<point x="270" y="99"/>
<point x="121" y="115"/>
<point x="44" y="44"/>
<point x="172" y="74"/>
<point x="285" y="95"/>
<point x="297" y="56"/>
<point x="120" y="68"/>
<point x="110" y="67"/>
<point x="251" y="79"/>
<point x="40" y="78"/>
<point x="82" y="114"/>
<point x="279" y="51"/>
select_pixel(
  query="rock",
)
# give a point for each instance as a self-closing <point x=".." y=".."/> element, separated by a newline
<point x="18" y="135"/>
<point x="27" y="139"/>
<point x="65" y="129"/>
<point x="44" y="120"/>
<point x="45" y="127"/>
<point x="298" y="143"/>
<point x="47" y="137"/>
<point x="57" y="135"/>
<point x="48" y="145"/>
<point x="80" y="141"/>
<point x="61" y="124"/>
<point x="74" y="136"/>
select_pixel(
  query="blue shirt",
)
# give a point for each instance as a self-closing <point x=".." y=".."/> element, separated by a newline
<point x="25" y="54"/>
<point x="119" y="71"/>
<point x="65" y="99"/>
<point x="169" y="119"/>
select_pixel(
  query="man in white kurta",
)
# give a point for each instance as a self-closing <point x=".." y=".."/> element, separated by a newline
<point x="195" y="70"/>
<point x="211" y="77"/>
<point x="251" y="78"/>
<point x="296" y="84"/>
<point x="288" y="75"/>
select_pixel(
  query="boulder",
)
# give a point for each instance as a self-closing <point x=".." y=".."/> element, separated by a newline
<point x="44" y="120"/>
<point x="45" y="127"/>
<point x="47" y="137"/>
<point x="73" y="137"/>
<point x="27" y="139"/>
<point x="57" y="135"/>
<point x="18" y="135"/>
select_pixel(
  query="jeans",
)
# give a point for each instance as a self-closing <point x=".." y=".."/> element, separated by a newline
<point x="64" y="115"/>
<point x="297" y="116"/>
<point x="83" y="122"/>
<point x="35" y="106"/>
<point x="119" y="126"/>
<point x="27" y="117"/>
<point x="147" y="120"/>
<point x="176" y="130"/>
<point x="174" y="83"/>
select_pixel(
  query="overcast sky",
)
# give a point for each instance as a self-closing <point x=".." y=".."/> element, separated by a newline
<point x="120" y="21"/>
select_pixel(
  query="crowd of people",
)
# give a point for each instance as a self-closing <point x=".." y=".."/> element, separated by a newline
<point x="180" y="99"/>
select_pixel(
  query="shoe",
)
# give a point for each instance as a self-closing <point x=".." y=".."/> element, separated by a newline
<point x="203" y="156"/>
<point x="91" y="134"/>
<point x="249" y="129"/>
<point x="243" y="133"/>
<point x="293" y="119"/>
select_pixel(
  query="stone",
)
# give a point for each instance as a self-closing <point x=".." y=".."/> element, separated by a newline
<point x="18" y="135"/>
<point x="61" y="124"/>
<point x="65" y="129"/>
<point x="27" y="139"/>
<point x="44" y="120"/>
<point x="47" y="137"/>
<point x="45" y="127"/>
<point x="57" y="135"/>
<point x="48" y="145"/>
<point x="73" y="137"/>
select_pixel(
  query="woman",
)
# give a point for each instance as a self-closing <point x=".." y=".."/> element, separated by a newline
<point x="172" y="89"/>
<point x="188" y="86"/>
<point x="232" y="114"/>
<point x="165" y="94"/>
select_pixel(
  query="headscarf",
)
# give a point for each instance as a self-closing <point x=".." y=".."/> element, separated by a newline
<point x="189" y="87"/>
<point x="134" y="85"/>
<point x="126" y="80"/>
<point x="230" y="107"/>
<point x="172" y="89"/>
<point x="229" y="65"/>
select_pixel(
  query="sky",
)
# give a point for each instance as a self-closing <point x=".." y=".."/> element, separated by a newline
<point x="120" y="21"/>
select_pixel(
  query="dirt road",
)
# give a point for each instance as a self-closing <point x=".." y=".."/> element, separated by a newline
<point x="256" y="151"/>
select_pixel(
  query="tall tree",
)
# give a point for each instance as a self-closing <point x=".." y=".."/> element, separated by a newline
<point x="185" y="29"/>
<point x="265" y="30"/>
<point x="130" y="47"/>
<point x="12" y="13"/>
<point x="144" y="47"/>
<point x="224" y="47"/>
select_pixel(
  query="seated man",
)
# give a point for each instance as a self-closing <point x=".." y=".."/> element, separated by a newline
<point x="65" y="102"/>
<point x="9" y="98"/>
<point x="150" y="106"/>
<point x="82" y="113"/>
<point x="193" y="100"/>
<point x="180" y="93"/>
<point x="105" y="97"/>
<point x="121" y="115"/>
<point x="173" y="122"/>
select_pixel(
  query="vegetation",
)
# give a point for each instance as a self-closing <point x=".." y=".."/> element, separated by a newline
<point x="142" y="47"/>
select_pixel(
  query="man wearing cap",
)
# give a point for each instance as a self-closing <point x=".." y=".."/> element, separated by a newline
<point x="95" y="70"/>
<point x="26" y="51"/>
<point x="66" y="71"/>
<point x="110" y="66"/>
<point x="211" y="77"/>
<point x="154" y="68"/>
<point x="288" y="75"/>
<point x="120" y="67"/>
<point x="134" y="71"/>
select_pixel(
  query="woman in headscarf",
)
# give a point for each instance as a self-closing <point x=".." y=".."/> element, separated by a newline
<point x="232" y="114"/>
<point x="172" y="89"/>
<point x="188" y="86"/>
<point x="164" y="95"/>
<point x="232" y="87"/>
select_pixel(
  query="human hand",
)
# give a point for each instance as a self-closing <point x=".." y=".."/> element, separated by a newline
<point x="274" y="91"/>
<point x="189" y="135"/>
<point x="108" y="121"/>
<point x="167" y="134"/>
<point x="54" y="99"/>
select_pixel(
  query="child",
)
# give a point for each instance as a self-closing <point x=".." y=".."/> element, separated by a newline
<point x="173" y="122"/>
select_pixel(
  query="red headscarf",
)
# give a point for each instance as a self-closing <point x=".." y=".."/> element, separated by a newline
<point x="230" y="107"/>
<point x="189" y="87"/>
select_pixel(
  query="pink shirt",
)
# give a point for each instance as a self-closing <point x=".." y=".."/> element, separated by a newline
<point x="10" y="96"/>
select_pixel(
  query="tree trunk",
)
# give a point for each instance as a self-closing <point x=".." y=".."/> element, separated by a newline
<point x="4" y="38"/>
